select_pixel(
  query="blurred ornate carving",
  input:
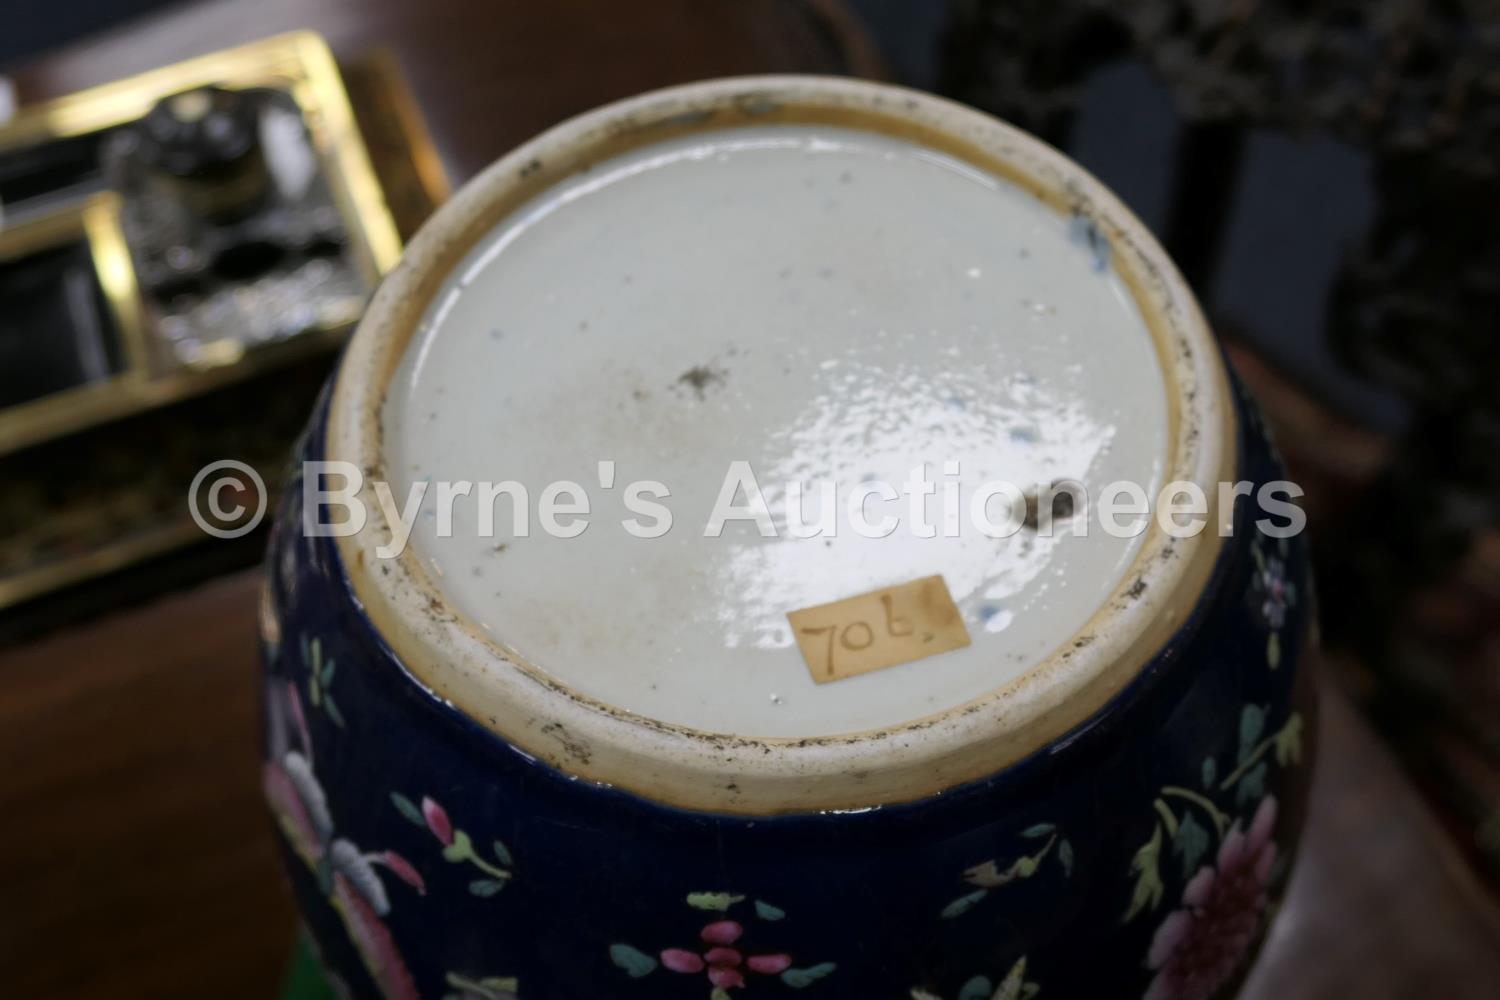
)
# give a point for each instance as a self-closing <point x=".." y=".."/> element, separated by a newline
<point x="1396" y="76"/>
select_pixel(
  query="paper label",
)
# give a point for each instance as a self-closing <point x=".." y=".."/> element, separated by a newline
<point x="884" y="628"/>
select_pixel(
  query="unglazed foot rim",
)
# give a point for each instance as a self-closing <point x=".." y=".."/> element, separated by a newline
<point x="461" y="664"/>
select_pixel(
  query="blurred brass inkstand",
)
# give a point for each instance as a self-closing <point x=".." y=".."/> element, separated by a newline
<point x="180" y="255"/>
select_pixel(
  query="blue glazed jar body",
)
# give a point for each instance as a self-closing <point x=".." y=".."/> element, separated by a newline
<point x="1115" y="823"/>
<point x="1138" y="855"/>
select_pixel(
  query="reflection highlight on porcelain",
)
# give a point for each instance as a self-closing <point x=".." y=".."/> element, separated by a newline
<point x="829" y="305"/>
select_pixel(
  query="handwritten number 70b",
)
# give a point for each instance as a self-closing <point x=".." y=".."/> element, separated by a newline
<point x="858" y="636"/>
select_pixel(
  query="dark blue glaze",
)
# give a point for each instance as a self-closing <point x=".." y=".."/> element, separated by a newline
<point x="594" y="885"/>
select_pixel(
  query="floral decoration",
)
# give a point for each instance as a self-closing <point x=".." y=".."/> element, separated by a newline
<point x="488" y="988"/>
<point x="1200" y="946"/>
<point x="989" y="875"/>
<point x="719" y="955"/>
<point x="349" y="877"/>
<point x="1183" y="831"/>
<point x="1272" y="594"/>
<point x="1013" y="987"/>
<point x="458" y="847"/>
<point x="320" y="679"/>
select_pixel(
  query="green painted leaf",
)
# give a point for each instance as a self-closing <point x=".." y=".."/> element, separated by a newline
<point x="1026" y="866"/>
<point x="964" y="904"/>
<point x="990" y="875"/>
<point x="325" y="676"/>
<point x="1289" y="741"/>
<point x="1065" y="857"/>
<point x="502" y="854"/>
<point x="1252" y="787"/>
<point x="635" y="962"/>
<point x="719" y="902"/>
<point x="978" y="988"/>
<point x="1039" y="830"/>
<point x="1014" y="983"/>
<point x="798" y="978"/>
<point x="1190" y="844"/>
<point x="1252" y="724"/>
<point x="1273" y="650"/>
<point x="766" y="911"/>
<point x="1146" y="866"/>
<point x="406" y="807"/>
<point x="1210" y="772"/>
<point x="719" y="993"/>
<point x="460" y="849"/>
<point x="486" y="887"/>
<point x="333" y="710"/>
<point x="314" y="693"/>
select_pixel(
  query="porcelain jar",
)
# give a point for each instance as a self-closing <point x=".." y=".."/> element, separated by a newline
<point x="1117" y="820"/>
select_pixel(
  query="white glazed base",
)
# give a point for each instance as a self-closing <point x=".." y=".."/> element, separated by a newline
<point x="554" y="707"/>
<point x="832" y="307"/>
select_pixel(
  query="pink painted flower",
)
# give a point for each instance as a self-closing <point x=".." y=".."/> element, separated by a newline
<point x="290" y="811"/>
<point x="437" y="821"/>
<point x="1199" y="947"/>
<point x="294" y="700"/>
<point x="402" y="870"/>
<point x="1277" y="592"/>
<point x="373" y="939"/>
<point x="721" y="960"/>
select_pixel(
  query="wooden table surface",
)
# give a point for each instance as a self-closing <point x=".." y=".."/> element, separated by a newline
<point x="135" y="857"/>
